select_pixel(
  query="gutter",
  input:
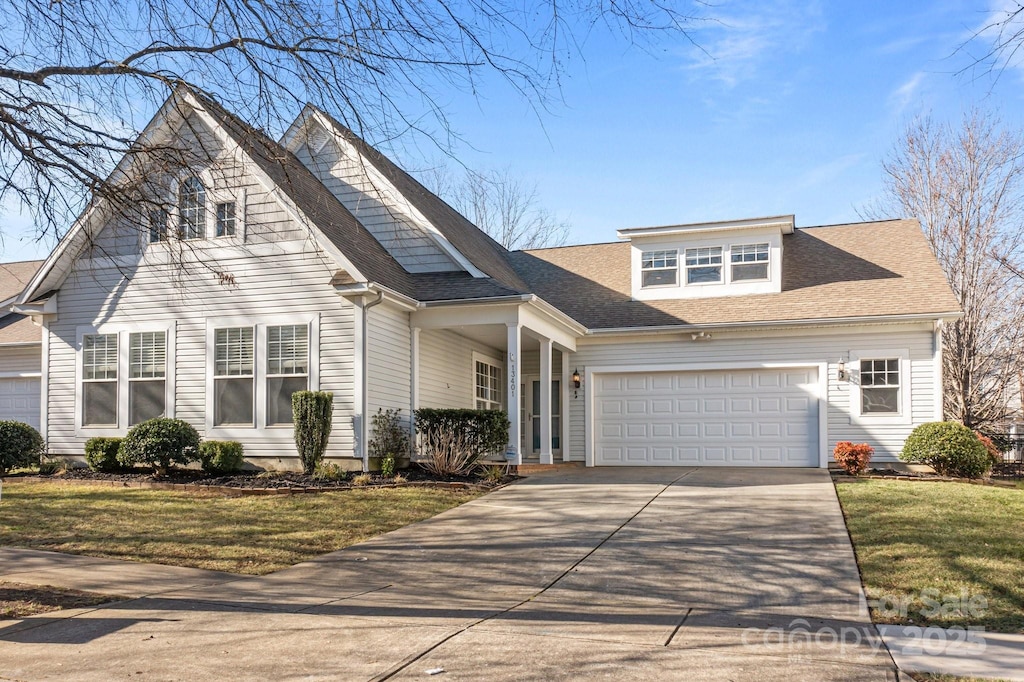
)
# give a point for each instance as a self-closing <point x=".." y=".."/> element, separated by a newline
<point x="814" y="322"/>
<point x="364" y="425"/>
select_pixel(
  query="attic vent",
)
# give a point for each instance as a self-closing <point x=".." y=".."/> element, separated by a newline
<point x="317" y="140"/>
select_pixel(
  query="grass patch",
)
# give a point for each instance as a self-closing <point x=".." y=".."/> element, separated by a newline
<point x="952" y="538"/>
<point x="18" y="600"/>
<point x="251" y="535"/>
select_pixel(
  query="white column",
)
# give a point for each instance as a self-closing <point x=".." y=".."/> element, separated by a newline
<point x="545" y="402"/>
<point x="566" y="385"/>
<point x="414" y="379"/>
<point x="512" y="367"/>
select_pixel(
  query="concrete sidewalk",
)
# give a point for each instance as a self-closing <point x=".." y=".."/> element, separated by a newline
<point x="956" y="652"/>
<point x="628" y="574"/>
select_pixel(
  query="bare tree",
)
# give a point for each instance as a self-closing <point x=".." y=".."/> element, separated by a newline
<point x="966" y="185"/>
<point x="78" y="80"/>
<point x="1001" y="36"/>
<point x="502" y="205"/>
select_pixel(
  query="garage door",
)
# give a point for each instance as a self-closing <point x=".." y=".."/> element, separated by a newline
<point x="762" y="417"/>
<point x="19" y="400"/>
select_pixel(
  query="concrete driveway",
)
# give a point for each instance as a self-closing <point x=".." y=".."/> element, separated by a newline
<point x="618" y="574"/>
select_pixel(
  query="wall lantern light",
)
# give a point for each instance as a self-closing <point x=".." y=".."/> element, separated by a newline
<point x="575" y="382"/>
<point x="843" y="376"/>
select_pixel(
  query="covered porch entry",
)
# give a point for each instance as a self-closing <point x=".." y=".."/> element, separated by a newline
<point x="529" y="374"/>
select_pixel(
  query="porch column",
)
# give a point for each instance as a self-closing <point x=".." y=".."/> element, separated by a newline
<point x="545" y="402"/>
<point x="566" y="386"/>
<point x="512" y="365"/>
<point x="414" y="379"/>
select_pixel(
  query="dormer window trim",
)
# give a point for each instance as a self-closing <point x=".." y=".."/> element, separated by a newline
<point x="746" y="257"/>
<point x="702" y="262"/>
<point x="202" y="212"/>
<point x="659" y="268"/>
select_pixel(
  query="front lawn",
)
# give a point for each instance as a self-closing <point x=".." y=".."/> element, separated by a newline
<point x="253" y="535"/>
<point x="951" y="538"/>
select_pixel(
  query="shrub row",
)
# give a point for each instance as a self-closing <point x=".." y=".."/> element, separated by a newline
<point x="160" y="443"/>
<point x="485" y="432"/>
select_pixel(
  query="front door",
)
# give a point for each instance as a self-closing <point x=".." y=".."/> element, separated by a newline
<point x="530" y="414"/>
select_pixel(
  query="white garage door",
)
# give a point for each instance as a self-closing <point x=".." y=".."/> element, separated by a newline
<point x="19" y="400"/>
<point x="759" y="417"/>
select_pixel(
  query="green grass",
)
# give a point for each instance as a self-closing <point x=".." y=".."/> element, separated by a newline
<point x="953" y="538"/>
<point x="251" y="535"/>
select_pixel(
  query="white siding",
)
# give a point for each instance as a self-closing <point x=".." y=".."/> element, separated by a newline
<point x="803" y="346"/>
<point x="25" y="359"/>
<point x="446" y="368"/>
<point x="388" y="360"/>
<point x="347" y="179"/>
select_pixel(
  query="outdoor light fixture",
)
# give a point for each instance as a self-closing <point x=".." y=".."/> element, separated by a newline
<point x="575" y="382"/>
<point x="843" y="376"/>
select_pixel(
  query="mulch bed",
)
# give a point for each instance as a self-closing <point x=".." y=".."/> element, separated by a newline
<point x="261" y="482"/>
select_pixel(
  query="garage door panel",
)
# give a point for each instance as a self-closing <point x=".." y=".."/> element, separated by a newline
<point x="19" y="400"/>
<point x="745" y="418"/>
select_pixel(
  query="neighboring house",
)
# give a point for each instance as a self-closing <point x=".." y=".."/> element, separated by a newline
<point x="315" y="262"/>
<point x="20" y="348"/>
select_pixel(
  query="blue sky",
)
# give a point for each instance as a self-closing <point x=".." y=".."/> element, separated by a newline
<point x="789" y="108"/>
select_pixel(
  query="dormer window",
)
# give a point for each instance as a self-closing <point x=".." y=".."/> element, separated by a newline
<point x="749" y="262"/>
<point x="192" y="209"/>
<point x="660" y="268"/>
<point x="704" y="265"/>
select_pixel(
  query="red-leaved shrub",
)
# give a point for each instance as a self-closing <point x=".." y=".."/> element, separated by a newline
<point x="993" y="450"/>
<point x="853" y="458"/>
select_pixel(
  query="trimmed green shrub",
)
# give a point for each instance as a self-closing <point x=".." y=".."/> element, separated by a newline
<point x="221" y="456"/>
<point x="312" y="411"/>
<point x="390" y="440"/>
<point x="101" y="453"/>
<point x="484" y="432"/>
<point x="852" y="458"/>
<point x="950" y="448"/>
<point x="20" y="446"/>
<point x="160" y="443"/>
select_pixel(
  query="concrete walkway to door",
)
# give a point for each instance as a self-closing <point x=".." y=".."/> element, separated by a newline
<point x="623" y="574"/>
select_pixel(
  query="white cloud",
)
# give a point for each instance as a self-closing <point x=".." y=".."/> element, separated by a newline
<point x="906" y="94"/>
<point x="746" y="34"/>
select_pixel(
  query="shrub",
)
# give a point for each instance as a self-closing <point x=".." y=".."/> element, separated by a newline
<point x="387" y="466"/>
<point x="221" y="456"/>
<point x="950" y="448"/>
<point x="446" y="453"/>
<point x="160" y="442"/>
<point x="329" y="471"/>
<point x="20" y="446"/>
<point x="994" y="453"/>
<point x="483" y="432"/>
<point x="51" y="467"/>
<point x="852" y="458"/>
<point x="101" y="453"/>
<point x="390" y="436"/>
<point x="362" y="479"/>
<point x="312" y="412"/>
<point x="495" y="473"/>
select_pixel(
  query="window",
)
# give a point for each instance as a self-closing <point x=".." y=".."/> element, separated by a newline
<point x="880" y="386"/>
<point x="749" y="261"/>
<point x="488" y="386"/>
<point x="191" y="209"/>
<point x="226" y="219"/>
<point x="147" y="367"/>
<point x="99" y="380"/>
<point x="704" y="265"/>
<point x="659" y="268"/>
<point x="233" y="376"/>
<point x="287" y="369"/>
<point x="158" y="225"/>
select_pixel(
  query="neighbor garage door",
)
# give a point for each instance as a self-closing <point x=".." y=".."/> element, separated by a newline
<point x="761" y="417"/>
<point x="19" y="400"/>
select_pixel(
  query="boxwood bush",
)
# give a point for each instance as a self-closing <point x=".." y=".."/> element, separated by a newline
<point x="101" y="453"/>
<point x="20" y="446"/>
<point x="160" y="442"/>
<point x="221" y="456"/>
<point x="485" y="432"/>
<point x="950" y="448"/>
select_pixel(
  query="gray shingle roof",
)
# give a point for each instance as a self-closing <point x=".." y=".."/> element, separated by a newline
<point x="829" y="272"/>
<point x="16" y="328"/>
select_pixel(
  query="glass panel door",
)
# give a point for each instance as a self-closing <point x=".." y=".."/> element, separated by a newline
<point x="523" y="412"/>
<point x="535" y="409"/>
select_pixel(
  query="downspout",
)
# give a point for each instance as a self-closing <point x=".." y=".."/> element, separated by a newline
<point x="364" y="426"/>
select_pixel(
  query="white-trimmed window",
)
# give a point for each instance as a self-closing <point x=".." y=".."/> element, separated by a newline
<point x="225" y="219"/>
<point x="287" y="369"/>
<point x="880" y="386"/>
<point x="704" y="265"/>
<point x="233" y="376"/>
<point x="191" y="209"/>
<point x="488" y="384"/>
<point x="147" y="376"/>
<point x="158" y="220"/>
<point x="749" y="262"/>
<point x="659" y="268"/>
<point x="99" y="380"/>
